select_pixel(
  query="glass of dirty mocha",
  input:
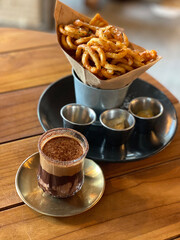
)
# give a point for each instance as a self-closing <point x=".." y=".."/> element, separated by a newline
<point x="62" y="152"/>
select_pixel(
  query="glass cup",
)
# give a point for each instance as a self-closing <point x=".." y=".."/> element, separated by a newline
<point x="62" y="152"/>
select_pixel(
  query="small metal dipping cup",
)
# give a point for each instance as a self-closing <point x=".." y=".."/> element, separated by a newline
<point x="146" y="105"/>
<point x="77" y="117"/>
<point x="117" y="136"/>
<point x="96" y="98"/>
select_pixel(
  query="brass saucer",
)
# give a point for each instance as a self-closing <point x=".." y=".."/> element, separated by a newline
<point x="30" y="193"/>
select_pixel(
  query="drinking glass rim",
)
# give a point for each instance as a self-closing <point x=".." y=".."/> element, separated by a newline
<point x="59" y="162"/>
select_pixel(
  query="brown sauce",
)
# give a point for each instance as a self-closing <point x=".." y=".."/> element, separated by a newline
<point x="63" y="148"/>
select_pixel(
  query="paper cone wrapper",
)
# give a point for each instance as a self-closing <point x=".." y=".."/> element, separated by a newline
<point x="66" y="15"/>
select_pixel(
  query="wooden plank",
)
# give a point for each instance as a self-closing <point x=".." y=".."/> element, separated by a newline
<point x="11" y="156"/>
<point x="169" y="233"/>
<point x="144" y="203"/>
<point x="18" y="114"/>
<point x="110" y="230"/>
<point x="14" y="153"/>
<point x="13" y="39"/>
<point x="32" y="67"/>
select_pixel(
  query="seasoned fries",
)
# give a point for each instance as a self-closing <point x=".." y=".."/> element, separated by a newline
<point x="101" y="48"/>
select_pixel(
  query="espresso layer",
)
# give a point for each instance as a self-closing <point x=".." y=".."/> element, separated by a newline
<point x="59" y="186"/>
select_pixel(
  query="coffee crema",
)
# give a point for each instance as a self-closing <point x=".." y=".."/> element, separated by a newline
<point x="63" y="148"/>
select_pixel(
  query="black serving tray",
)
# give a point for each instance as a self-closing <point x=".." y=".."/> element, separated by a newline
<point x="139" y="146"/>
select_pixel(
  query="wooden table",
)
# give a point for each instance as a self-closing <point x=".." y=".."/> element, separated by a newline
<point x="141" y="199"/>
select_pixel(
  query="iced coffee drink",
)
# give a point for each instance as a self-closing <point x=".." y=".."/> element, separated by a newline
<point x="62" y="152"/>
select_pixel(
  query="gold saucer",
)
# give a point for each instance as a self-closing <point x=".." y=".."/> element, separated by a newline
<point x="30" y="193"/>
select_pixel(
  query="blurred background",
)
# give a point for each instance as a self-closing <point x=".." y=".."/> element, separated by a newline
<point x="153" y="24"/>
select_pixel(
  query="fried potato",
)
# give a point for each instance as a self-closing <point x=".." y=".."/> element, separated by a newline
<point x="101" y="48"/>
<point x="97" y="20"/>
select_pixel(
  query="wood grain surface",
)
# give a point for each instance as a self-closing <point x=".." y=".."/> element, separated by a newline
<point x="19" y="118"/>
<point x="11" y="155"/>
<point x="13" y="39"/>
<point x="32" y="67"/>
<point x="141" y="199"/>
<point x="132" y="205"/>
